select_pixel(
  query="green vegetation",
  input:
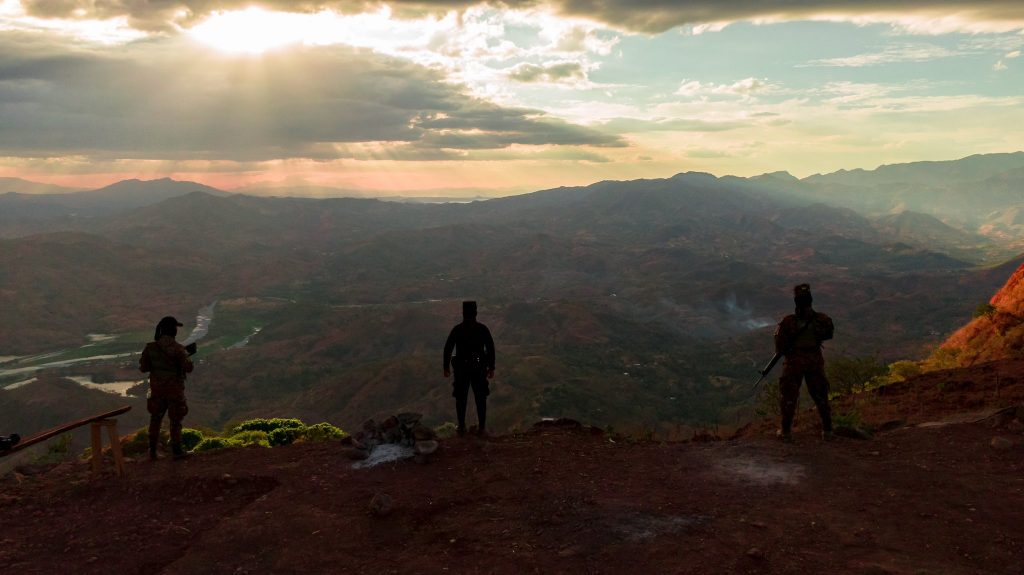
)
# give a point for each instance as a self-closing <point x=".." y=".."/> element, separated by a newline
<point x="985" y="310"/>
<point x="211" y="443"/>
<point x="190" y="438"/>
<point x="943" y="358"/>
<point x="267" y="425"/>
<point x="848" y="375"/>
<point x="322" y="432"/>
<point x="849" y="419"/>
<point x="251" y="438"/>
<point x="446" y="430"/>
<point x="263" y="433"/>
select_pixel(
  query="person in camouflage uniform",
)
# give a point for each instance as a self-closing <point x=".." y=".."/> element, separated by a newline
<point x="167" y="363"/>
<point x="474" y="365"/>
<point x="798" y="338"/>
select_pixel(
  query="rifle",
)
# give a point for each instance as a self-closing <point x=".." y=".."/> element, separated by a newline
<point x="767" y="368"/>
<point x="779" y="355"/>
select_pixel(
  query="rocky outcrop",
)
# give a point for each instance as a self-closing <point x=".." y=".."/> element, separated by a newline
<point x="404" y="429"/>
<point x="996" y="333"/>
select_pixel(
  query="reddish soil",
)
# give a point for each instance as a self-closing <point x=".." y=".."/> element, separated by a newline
<point x="915" y="500"/>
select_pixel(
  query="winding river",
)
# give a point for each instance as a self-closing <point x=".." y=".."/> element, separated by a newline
<point x="25" y="367"/>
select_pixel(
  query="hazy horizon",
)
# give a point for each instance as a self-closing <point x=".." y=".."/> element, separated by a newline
<point x="311" y="190"/>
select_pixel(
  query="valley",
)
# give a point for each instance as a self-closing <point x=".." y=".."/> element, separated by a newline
<point x="645" y="305"/>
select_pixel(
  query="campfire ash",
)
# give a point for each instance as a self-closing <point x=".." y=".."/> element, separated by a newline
<point x="398" y="437"/>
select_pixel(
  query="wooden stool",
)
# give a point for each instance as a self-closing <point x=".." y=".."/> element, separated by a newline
<point x="115" y="445"/>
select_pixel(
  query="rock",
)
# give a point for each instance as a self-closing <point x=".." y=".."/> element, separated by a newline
<point x="410" y="419"/>
<point x="1015" y="426"/>
<point x="1001" y="443"/>
<point x="381" y="505"/>
<point x="391" y="430"/>
<point x="755" y="553"/>
<point x="425" y="447"/>
<point x="852" y="432"/>
<point x="369" y="428"/>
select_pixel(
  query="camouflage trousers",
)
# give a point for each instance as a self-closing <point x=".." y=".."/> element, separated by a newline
<point x="810" y="368"/>
<point x="169" y="398"/>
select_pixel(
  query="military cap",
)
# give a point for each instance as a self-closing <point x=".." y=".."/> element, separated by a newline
<point x="169" y="321"/>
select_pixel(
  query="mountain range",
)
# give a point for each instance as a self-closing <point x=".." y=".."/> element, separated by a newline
<point x="638" y="303"/>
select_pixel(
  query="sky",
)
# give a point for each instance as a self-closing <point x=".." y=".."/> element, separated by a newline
<point x="458" y="97"/>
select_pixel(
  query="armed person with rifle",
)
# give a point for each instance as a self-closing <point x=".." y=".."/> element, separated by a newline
<point x="474" y="365"/>
<point x="798" y="339"/>
<point x="167" y="362"/>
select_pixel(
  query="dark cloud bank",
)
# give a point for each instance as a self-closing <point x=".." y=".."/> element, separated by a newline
<point x="170" y="99"/>
<point x="638" y="15"/>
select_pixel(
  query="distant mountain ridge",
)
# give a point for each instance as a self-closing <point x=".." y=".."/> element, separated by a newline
<point x="20" y="186"/>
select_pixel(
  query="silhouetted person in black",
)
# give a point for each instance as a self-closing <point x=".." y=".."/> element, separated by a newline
<point x="799" y="338"/>
<point x="473" y="363"/>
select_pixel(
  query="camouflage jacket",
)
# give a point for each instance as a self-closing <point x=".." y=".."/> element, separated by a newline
<point x="165" y="360"/>
<point x="797" y="334"/>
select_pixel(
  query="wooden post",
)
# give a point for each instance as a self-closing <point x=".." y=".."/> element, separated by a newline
<point x="115" y="445"/>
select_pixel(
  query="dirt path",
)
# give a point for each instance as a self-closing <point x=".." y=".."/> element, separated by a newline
<point x="913" y="501"/>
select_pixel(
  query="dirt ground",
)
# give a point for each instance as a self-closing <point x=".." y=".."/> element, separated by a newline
<point x="937" y="498"/>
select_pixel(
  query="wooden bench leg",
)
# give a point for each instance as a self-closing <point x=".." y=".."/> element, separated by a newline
<point x="115" y="446"/>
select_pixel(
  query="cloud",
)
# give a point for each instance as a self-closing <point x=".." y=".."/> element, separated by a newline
<point x="745" y="87"/>
<point x="999" y="66"/>
<point x="891" y="54"/>
<point x="170" y="99"/>
<point x="649" y="16"/>
<point x="634" y="125"/>
<point x="1014" y="54"/>
<point x="550" y="73"/>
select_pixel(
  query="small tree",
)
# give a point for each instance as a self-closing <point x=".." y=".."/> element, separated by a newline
<point x="985" y="310"/>
<point x="852" y="374"/>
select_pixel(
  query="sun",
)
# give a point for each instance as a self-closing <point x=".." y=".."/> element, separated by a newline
<point x="252" y="31"/>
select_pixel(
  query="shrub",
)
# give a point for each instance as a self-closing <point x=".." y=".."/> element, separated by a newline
<point x="323" y="432"/>
<point x="446" y="430"/>
<point x="284" y="435"/>
<point x="139" y="442"/>
<point x="943" y="358"/>
<point x="190" y="438"/>
<point x="853" y="374"/>
<point x="848" y="419"/>
<point x="211" y="443"/>
<point x="267" y="425"/>
<point x="250" y="438"/>
<point x="902" y="370"/>
<point x="985" y="310"/>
